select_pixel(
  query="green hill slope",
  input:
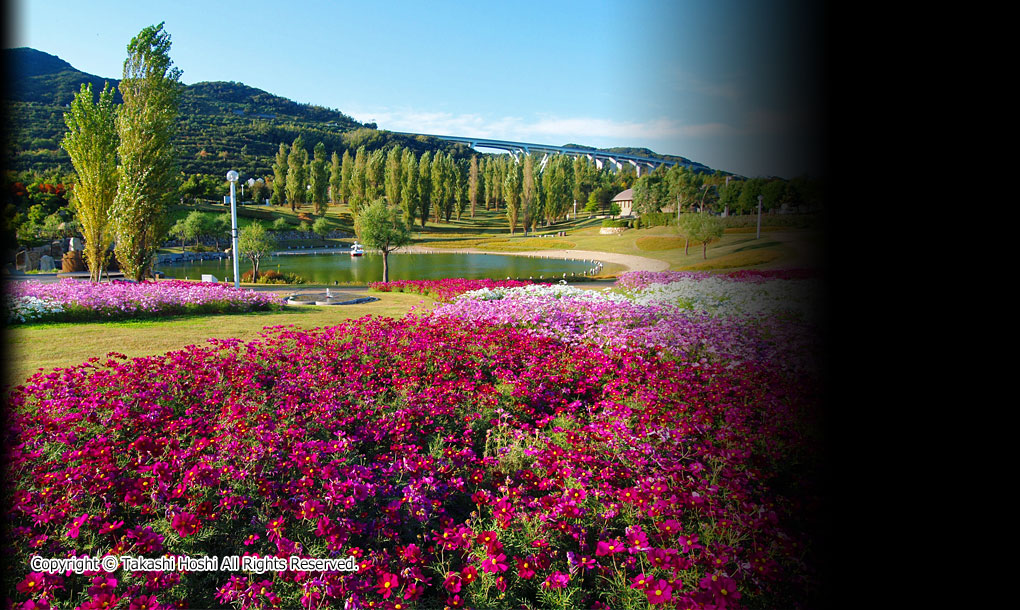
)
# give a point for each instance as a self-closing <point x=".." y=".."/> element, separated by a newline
<point x="223" y="125"/>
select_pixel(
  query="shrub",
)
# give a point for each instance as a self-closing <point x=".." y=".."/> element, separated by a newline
<point x="655" y="219"/>
<point x="274" y="277"/>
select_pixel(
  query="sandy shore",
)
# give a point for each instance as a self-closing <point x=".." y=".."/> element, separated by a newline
<point x="630" y="261"/>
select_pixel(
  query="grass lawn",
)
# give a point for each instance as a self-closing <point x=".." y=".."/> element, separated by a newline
<point x="61" y="345"/>
<point x="779" y="247"/>
<point x="35" y="346"/>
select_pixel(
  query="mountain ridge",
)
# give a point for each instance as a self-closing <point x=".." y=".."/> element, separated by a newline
<point x="223" y="124"/>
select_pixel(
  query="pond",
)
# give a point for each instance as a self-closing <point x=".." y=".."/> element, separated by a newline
<point x="342" y="267"/>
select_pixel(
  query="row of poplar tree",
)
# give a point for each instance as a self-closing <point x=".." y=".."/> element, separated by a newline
<point x="126" y="172"/>
<point x="531" y="189"/>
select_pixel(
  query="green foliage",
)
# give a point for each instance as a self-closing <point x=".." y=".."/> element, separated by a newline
<point x="381" y="227"/>
<point x="297" y="179"/>
<point x="281" y="224"/>
<point x="148" y="176"/>
<point x="655" y="219"/>
<point x="319" y="179"/>
<point x="322" y="227"/>
<point x="255" y="243"/>
<point x="91" y="142"/>
<point x="512" y="193"/>
<point x="703" y="228"/>
<point x="279" y="177"/>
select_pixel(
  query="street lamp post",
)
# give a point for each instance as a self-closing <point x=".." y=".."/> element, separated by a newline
<point x="232" y="178"/>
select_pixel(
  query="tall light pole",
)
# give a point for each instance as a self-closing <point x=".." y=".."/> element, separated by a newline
<point x="232" y="178"/>
<point x="759" y="217"/>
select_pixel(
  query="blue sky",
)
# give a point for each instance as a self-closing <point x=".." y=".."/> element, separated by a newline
<point x="720" y="82"/>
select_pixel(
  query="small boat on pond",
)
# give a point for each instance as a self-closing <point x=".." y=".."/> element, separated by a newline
<point x="357" y="249"/>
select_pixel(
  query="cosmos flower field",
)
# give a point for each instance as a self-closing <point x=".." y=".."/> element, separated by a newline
<point x="529" y="446"/>
<point x="72" y="300"/>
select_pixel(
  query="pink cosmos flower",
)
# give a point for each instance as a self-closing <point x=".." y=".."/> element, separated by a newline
<point x="556" y="580"/>
<point x="495" y="563"/>
<point x="608" y="547"/>
<point x="659" y="592"/>
<point x="453" y="582"/>
<point x="144" y="602"/>
<point x="387" y="584"/>
<point x="32" y="583"/>
<point x="526" y="567"/>
<point x="76" y="525"/>
<point x="185" y="524"/>
<point x="469" y="574"/>
<point x="641" y="581"/>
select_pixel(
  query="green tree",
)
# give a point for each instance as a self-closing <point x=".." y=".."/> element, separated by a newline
<point x="460" y="189"/>
<point x="297" y="179"/>
<point x="772" y="194"/>
<point x="394" y="175"/>
<point x="687" y="227"/>
<point x="512" y="193"/>
<point x="346" y="174"/>
<point x="321" y="227"/>
<point x="191" y="228"/>
<point x="473" y="184"/>
<point x="706" y="229"/>
<point x="382" y="228"/>
<point x="424" y="186"/>
<point x="358" y="180"/>
<point x="258" y="191"/>
<point x="530" y="201"/>
<point x="279" y="195"/>
<point x="255" y="243"/>
<point x="148" y="175"/>
<point x="409" y="192"/>
<point x="729" y="195"/>
<point x="319" y="179"/>
<point x="650" y="193"/>
<point x="335" y="179"/>
<point x="375" y="175"/>
<point x="440" y="194"/>
<point x="91" y="142"/>
<point x="748" y="199"/>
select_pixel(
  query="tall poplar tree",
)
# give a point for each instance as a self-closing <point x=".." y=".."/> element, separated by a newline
<point x="394" y="175"/>
<point x="512" y="193"/>
<point x="334" y="179"/>
<point x="375" y="175"/>
<point x="319" y="179"/>
<point x="529" y="192"/>
<point x="91" y="142"/>
<point x="409" y="191"/>
<point x="297" y="179"/>
<point x="279" y="195"/>
<point x="357" y="195"/>
<point x="346" y="172"/>
<point x="487" y="182"/>
<point x="473" y="184"/>
<point x="424" y="186"/>
<point x="440" y="196"/>
<point x="148" y="174"/>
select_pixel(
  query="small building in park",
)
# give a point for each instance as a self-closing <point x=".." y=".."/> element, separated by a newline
<point x="626" y="202"/>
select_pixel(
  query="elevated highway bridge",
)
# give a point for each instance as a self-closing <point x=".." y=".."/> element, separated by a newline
<point x="599" y="158"/>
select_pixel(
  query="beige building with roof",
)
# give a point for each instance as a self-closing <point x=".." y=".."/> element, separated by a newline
<point x="626" y="202"/>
